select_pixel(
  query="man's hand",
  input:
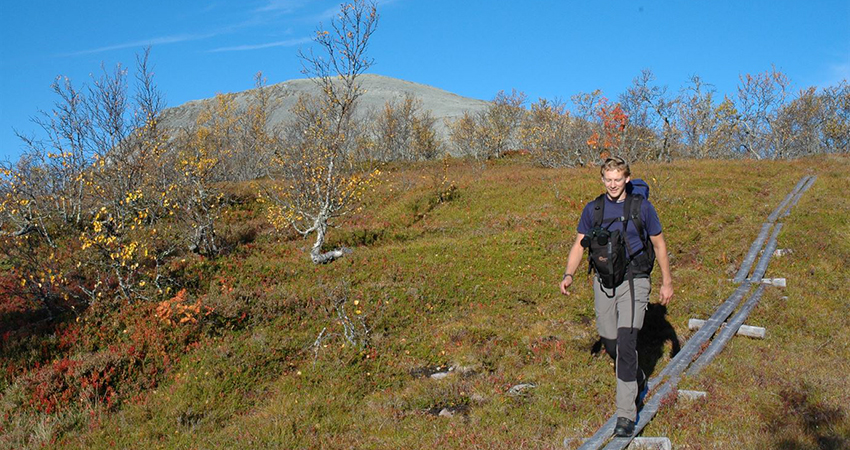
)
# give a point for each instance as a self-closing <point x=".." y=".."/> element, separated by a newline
<point x="565" y="284"/>
<point x="666" y="293"/>
<point x="660" y="246"/>
<point x="573" y="260"/>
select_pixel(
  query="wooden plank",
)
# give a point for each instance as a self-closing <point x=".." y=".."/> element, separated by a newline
<point x="805" y="188"/>
<point x="691" y="395"/>
<point x="638" y="443"/>
<point x="750" y="257"/>
<point x="692" y="347"/>
<point x="788" y="198"/>
<point x="761" y="267"/>
<point x="695" y="324"/>
<point x="751" y="331"/>
<point x="726" y="334"/>
<point x="765" y="229"/>
<point x="744" y="330"/>
<point x="778" y="282"/>
<point x="651" y="443"/>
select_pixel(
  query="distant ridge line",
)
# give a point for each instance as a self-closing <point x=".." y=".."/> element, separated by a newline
<point x="443" y="105"/>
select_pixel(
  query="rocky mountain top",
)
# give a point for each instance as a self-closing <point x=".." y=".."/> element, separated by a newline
<point x="378" y="90"/>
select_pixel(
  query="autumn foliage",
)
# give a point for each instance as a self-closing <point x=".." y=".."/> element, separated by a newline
<point x="613" y="123"/>
<point x="764" y="119"/>
<point x="114" y="231"/>
<point x="319" y="175"/>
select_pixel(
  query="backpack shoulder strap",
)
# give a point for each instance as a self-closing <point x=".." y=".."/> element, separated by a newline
<point x="628" y="207"/>
<point x="634" y="215"/>
<point x="628" y="214"/>
<point x="598" y="215"/>
<point x="598" y="210"/>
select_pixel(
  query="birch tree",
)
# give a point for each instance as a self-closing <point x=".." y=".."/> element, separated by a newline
<point x="545" y="132"/>
<point x="491" y="132"/>
<point x="76" y="208"/>
<point x="319" y="178"/>
<point x="835" y="137"/>
<point x="651" y="133"/>
<point x="404" y="131"/>
<point x="760" y="96"/>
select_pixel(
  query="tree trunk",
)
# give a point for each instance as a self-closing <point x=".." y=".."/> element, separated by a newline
<point x="316" y="252"/>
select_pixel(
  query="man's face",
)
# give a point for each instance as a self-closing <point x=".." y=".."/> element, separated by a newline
<point x="615" y="182"/>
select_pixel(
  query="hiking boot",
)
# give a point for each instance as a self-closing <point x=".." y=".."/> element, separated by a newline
<point x="642" y="389"/>
<point x="624" y="428"/>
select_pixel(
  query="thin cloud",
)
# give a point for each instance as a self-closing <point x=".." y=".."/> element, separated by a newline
<point x="285" y="6"/>
<point x="239" y="48"/>
<point x="840" y="72"/>
<point x="328" y="13"/>
<point x="834" y="72"/>
<point x="212" y="6"/>
<point x="270" y="12"/>
<point x="162" y="40"/>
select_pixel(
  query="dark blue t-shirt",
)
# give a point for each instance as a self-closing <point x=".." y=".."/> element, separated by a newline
<point x="648" y="216"/>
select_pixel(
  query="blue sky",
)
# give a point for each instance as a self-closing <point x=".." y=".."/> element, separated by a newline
<point x="550" y="49"/>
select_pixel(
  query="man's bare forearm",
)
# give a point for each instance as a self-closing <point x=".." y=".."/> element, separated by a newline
<point x="574" y="259"/>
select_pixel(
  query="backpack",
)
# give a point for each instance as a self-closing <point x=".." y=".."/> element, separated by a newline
<point x="607" y="249"/>
<point x="606" y="254"/>
<point x="638" y="187"/>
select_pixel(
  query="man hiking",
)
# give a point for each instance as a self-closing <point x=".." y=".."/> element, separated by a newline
<point x="622" y="262"/>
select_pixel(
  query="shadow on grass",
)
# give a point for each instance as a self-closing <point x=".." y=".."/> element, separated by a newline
<point x="655" y="333"/>
<point x="803" y="421"/>
<point x="27" y="338"/>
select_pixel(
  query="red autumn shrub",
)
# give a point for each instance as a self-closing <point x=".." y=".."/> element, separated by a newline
<point x="51" y="388"/>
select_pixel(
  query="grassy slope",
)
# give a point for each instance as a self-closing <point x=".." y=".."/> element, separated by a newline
<point x="473" y="282"/>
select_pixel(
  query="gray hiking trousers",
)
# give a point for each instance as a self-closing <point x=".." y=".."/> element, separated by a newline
<point x="614" y="323"/>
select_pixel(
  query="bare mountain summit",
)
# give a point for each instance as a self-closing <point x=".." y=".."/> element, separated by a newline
<point x="378" y="90"/>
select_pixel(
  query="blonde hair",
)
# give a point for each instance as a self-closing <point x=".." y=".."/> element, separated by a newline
<point x="615" y="163"/>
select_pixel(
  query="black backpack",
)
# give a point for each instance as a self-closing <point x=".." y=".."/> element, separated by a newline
<point x="607" y="249"/>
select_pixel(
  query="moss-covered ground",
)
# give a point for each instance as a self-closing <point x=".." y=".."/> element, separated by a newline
<point x="466" y="277"/>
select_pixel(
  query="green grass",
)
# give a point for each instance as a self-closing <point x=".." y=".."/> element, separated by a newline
<point x="472" y="281"/>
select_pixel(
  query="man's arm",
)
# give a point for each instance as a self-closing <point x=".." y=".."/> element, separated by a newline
<point x="660" y="247"/>
<point x="573" y="262"/>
